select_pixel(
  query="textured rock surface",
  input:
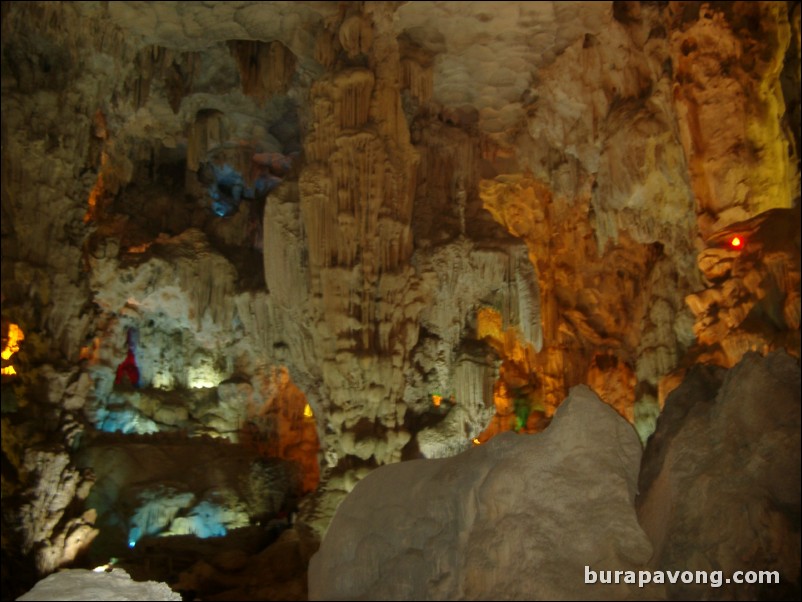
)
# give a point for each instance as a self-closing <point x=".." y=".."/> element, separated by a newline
<point x="517" y="518"/>
<point x="719" y="483"/>
<point x="750" y="285"/>
<point x="51" y="534"/>
<point x="156" y="485"/>
<point x="416" y="98"/>
<point x="727" y="66"/>
<point x="277" y="572"/>
<point x="80" y="584"/>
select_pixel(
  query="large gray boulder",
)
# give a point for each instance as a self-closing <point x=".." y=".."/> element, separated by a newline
<point x="720" y="479"/>
<point x="518" y="518"/>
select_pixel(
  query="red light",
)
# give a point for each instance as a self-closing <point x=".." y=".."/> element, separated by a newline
<point x="736" y="242"/>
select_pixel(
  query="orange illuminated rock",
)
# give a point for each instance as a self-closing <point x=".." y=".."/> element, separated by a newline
<point x="284" y="427"/>
<point x="12" y="336"/>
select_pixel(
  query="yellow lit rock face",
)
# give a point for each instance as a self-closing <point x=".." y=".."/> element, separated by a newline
<point x="752" y="298"/>
<point x="12" y="341"/>
<point x="730" y="108"/>
<point x="12" y="336"/>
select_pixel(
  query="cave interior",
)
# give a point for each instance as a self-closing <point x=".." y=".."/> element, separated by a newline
<point x="254" y="253"/>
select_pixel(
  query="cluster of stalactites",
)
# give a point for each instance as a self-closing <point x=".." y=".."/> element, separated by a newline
<point x="266" y="68"/>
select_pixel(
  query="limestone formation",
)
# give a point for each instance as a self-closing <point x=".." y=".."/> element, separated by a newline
<point x="753" y="274"/>
<point x="515" y="519"/>
<point x="51" y="534"/>
<point x="168" y="485"/>
<point x="348" y="234"/>
<point x="81" y="584"/>
<point x="737" y="156"/>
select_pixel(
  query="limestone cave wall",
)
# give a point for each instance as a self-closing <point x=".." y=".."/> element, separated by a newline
<point x="336" y="236"/>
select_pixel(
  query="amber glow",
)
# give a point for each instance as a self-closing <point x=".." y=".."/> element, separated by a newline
<point x="436" y="400"/>
<point x="96" y="193"/>
<point x="92" y="202"/>
<point x="139" y="248"/>
<point x="283" y="426"/>
<point x="518" y="387"/>
<point x="15" y="335"/>
<point x="489" y="324"/>
<point x="476" y="441"/>
<point x="736" y="242"/>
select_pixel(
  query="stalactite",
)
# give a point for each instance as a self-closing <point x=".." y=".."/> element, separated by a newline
<point x="576" y="314"/>
<point x="473" y="381"/>
<point x="352" y="92"/>
<point x="205" y="134"/>
<point x="319" y="215"/>
<point x="321" y="139"/>
<point x="326" y="48"/>
<point x="418" y="79"/>
<point x="356" y="35"/>
<point x="178" y="70"/>
<point x="266" y="68"/>
<point x="148" y="62"/>
<point x="656" y="354"/>
<point x="448" y="169"/>
<point x="359" y="187"/>
<point x="286" y="273"/>
<point x="356" y="204"/>
<point x="179" y="77"/>
<point x="417" y="74"/>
